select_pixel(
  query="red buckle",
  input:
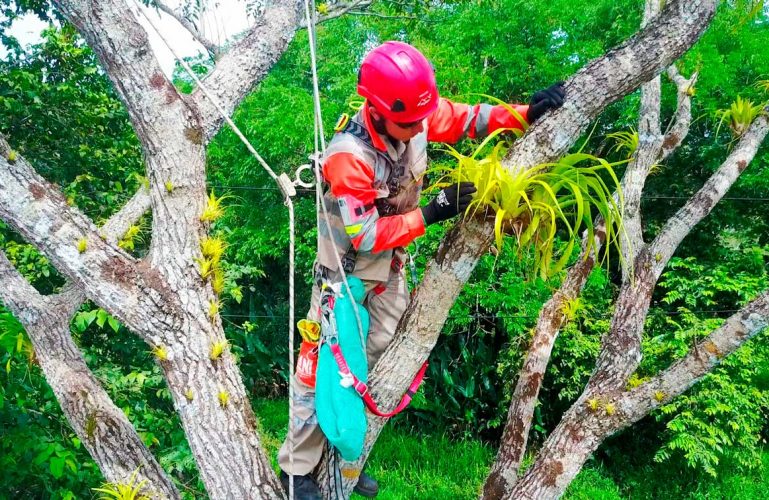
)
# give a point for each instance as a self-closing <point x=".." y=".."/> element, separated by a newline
<point x="396" y="264"/>
<point x="380" y="289"/>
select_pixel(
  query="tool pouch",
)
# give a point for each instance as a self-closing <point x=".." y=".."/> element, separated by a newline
<point x="307" y="363"/>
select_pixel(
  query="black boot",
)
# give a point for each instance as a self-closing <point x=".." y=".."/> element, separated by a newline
<point x="367" y="486"/>
<point x="305" y="487"/>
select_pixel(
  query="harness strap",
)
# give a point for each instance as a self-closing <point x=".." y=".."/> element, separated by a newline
<point x="362" y="388"/>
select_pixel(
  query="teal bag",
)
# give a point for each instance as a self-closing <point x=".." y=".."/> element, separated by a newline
<point x="340" y="409"/>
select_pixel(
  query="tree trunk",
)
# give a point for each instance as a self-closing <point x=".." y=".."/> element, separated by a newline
<point x="101" y="426"/>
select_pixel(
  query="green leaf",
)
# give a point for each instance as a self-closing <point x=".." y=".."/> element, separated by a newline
<point x="57" y="467"/>
<point x="43" y="455"/>
<point x="101" y="317"/>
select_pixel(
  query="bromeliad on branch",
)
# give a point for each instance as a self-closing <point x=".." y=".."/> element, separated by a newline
<point x="534" y="203"/>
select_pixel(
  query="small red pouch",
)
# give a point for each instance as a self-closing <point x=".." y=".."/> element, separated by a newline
<point x="307" y="363"/>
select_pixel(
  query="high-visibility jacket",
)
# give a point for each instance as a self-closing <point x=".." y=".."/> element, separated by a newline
<point x="374" y="183"/>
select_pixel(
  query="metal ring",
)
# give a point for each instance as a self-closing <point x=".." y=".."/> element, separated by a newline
<point x="299" y="181"/>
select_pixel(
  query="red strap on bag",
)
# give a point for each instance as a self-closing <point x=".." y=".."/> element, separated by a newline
<point x="362" y="389"/>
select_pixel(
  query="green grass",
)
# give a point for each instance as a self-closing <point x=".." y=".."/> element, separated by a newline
<point x="407" y="466"/>
<point x="411" y="466"/>
<point x="622" y="479"/>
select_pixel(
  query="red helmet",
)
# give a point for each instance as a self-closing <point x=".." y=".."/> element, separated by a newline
<point x="399" y="81"/>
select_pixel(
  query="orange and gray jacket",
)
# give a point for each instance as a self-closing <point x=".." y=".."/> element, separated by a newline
<point x="374" y="183"/>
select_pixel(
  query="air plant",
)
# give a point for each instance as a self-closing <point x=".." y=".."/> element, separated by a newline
<point x="534" y="202"/>
<point x="130" y="490"/>
<point x="213" y="248"/>
<point x="217" y="282"/>
<point x="206" y="267"/>
<point x="213" y="309"/>
<point x="739" y="116"/>
<point x="217" y="349"/>
<point x="214" y="209"/>
<point x="160" y="353"/>
<point x="82" y="245"/>
<point x="570" y="307"/>
<point x="131" y="237"/>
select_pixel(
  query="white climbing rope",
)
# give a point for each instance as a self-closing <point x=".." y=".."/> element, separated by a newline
<point x="320" y="138"/>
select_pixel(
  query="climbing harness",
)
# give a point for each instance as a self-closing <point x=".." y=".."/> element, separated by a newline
<point x="288" y="187"/>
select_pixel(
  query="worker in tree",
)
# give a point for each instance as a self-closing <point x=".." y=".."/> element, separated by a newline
<point x="374" y="168"/>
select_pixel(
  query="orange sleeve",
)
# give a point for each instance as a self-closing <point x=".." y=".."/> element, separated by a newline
<point x="452" y="121"/>
<point x="351" y="181"/>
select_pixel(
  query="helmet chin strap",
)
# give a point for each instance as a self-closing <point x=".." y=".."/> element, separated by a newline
<point x="378" y="121"/>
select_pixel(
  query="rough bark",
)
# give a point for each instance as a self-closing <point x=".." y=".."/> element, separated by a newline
<point x="101" y="426"/>
<point x="581" y="431"/>
<point x="110" y="277"/>
<point x="600" y="83"/>
<point x="679" y="127"/>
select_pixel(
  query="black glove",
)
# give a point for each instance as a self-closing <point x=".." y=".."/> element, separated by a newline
<point x="450" y="202"/>
<point x="544" y="100"/>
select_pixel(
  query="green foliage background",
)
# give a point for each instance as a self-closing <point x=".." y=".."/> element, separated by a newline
<point x="58" y="109"/>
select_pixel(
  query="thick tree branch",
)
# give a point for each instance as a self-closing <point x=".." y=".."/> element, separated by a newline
<point x="649" y="144"/>
<point x="247" y="62"/>
<point x="114" y="280"/>
<point x="101" y="426"/>
<point x="687" y="371"/>
<point x="123" y="49"/>
<point x="612" y="76"/>
<point x="582" y="430"/>
<point x="117" y="225"/>
<point x="700" y="205"/>
<point x="167" y="128"/>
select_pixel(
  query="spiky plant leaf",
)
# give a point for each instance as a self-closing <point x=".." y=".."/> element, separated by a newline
<point x="538" y="201"/>
<point x="214" y="208"/>
<point x="739" y="116"/>
<point x="130" y="490"/>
